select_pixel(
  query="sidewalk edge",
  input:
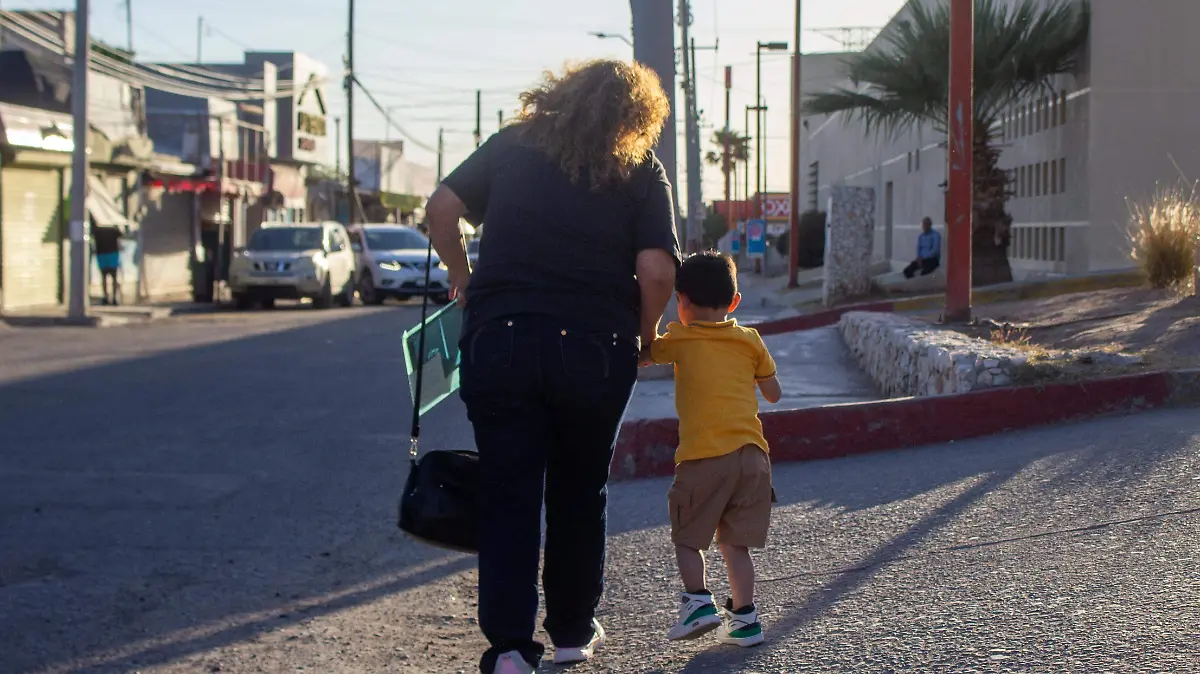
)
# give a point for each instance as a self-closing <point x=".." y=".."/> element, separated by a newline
<point x="645" y="448"/>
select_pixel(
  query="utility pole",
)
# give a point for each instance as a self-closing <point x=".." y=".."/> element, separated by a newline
<point x="499" y="119"/>
<point x="440" y="151"/>
<point x="200" y="39"/>
<point x="337" y="146"/>
<point x="351" y="187"/>
<point x="695" y="199"/>
<point x="78" y="302"/>
<point x="960" y="143"/>
<point x="129" y="26"/>
<point x="797" y="130"/>
<point x="478" y="118"/>
<point x="728" y="133"/>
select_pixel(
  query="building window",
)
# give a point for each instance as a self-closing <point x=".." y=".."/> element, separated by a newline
<point x="1062" y="174"/>
<point x="1021" y="181"/>
<point x="1046" y="177"/>
<point x="1054" y="186"/>
<point x="1062" y="108"/>
<point x="1037" y="180"/>
<point x="917" y="160"/>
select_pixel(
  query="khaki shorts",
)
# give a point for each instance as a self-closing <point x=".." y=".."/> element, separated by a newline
<point x="729" y="496"/>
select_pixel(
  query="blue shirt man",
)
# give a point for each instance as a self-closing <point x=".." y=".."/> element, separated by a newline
<point x="929" y="251"/>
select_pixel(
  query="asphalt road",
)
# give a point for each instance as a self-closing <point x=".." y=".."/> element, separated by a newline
<point x="217" y="494"/>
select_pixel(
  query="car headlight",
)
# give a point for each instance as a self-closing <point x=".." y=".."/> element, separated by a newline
<point x="390" y="265"/>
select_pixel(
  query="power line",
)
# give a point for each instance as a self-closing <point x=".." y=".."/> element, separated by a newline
<point x="391" y="122"/>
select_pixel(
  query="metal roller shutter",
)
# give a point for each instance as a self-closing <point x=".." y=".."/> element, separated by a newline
<point x="31" y="224"/>
<point x="166" y="232"/>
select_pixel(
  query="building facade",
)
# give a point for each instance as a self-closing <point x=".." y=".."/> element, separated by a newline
<point x="1112" y="131"/>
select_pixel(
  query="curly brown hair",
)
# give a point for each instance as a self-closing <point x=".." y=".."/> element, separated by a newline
<point x="599" y="117"/>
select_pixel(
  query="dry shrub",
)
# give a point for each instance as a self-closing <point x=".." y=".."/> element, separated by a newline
<point x="1009" y="336"/>
<point x="1165" y="233"/>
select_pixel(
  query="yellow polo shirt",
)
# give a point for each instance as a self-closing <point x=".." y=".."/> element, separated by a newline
<point x="717" y="366"/>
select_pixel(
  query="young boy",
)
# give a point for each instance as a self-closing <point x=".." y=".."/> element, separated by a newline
<point x="722" y="473"/>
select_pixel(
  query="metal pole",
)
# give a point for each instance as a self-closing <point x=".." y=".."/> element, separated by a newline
<point x="694" y="177"/>
<point x="129" y="26"/>
<point x="797" y="139"/>
<point x="351" y="187"/>
<point x="961" y="142"/>
<point x="199" y="39"/>
<point x="440" y="150"/>
<point x="337" y="146"/>
<point x="78" y="302"/>
<point x="499" y="119"/>
<point x="748" y="109"/>
<point x="728" y="131"/>
<point x="478" y="117"/>
<point x="758" y="130"/>
<point x="216" y="280"/>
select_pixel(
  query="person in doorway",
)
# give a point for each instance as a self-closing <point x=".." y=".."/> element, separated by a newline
<point x="722" y="474"/>
<point x="108" y="259"/>
<point x="929" y="251"/>
<point x="582" y="254"/>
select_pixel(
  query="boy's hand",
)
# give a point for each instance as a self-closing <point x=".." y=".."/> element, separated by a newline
<point x="644" y="357"/>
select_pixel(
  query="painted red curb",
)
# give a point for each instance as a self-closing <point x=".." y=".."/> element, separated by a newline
<point x="820" y="319"/>
<point x="646" y="448"/>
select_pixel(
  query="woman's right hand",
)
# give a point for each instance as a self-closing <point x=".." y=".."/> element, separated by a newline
<point x="458" y="289"/>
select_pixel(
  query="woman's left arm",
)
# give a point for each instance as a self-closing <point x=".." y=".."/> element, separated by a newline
<point x="463" y="193"/>
<point x="442" y="215"/>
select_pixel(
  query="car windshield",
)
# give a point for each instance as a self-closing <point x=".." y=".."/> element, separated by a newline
<point x="395" y="239"/>
<point x="270" y="239"/>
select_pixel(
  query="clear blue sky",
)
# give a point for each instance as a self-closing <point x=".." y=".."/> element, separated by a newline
<point x="428" y="58"/>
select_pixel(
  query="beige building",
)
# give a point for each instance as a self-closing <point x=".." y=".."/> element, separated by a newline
<point x="1115" y="130"/>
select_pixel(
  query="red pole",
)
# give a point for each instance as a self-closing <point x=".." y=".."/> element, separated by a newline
<point x="797" y="130"/>
<point x="961" y="141"/>
<point x="728" y="133"/>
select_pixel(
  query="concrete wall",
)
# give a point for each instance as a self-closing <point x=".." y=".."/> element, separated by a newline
<point x="1145" y="90"/>
<point x="1107" y="132"/>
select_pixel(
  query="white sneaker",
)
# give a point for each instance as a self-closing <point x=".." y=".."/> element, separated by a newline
<point x="740" y="629"/>
<point x="565" y="656"/>
<point x="512" y="663"/>
<point x="697" y="617"/>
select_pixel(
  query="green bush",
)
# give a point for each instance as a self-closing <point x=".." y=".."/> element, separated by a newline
<point x="1165" y="231"/>
<point x="812" y="240"/>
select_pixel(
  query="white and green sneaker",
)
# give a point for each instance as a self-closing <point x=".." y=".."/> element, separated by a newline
<point x="697" y="617"/>
<point x="740" y="629"/>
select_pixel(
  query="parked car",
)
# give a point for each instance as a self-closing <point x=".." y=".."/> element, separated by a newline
<point x="294" y="261"/>
<point x="392" y="259"/>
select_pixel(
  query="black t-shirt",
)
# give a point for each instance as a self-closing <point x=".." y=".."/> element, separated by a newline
<point x="559" y="248"/>
<point x="108" y="240"/>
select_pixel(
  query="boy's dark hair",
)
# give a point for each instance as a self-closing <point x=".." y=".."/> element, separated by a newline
<point x="709" y="279"/>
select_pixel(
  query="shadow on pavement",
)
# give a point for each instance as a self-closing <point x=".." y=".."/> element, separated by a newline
<point x="170" y="504"/>
<point x="1093" y="477"/>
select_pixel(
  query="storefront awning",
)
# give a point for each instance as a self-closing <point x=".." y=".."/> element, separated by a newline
<point x="102" y="207"/>
<point x="36" y="129"/>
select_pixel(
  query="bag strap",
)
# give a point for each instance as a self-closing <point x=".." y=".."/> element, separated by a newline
<point x="416" y="415"/>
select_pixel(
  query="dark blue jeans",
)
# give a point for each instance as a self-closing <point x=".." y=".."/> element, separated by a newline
<point x="546" y="397"/>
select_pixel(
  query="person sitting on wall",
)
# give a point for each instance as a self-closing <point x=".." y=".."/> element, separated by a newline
<point x="929" y="251"/>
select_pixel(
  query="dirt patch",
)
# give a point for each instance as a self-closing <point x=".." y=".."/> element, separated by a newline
<point x="1097" y="333"/>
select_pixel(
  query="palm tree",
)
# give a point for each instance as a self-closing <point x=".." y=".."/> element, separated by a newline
<point x="739" y="150"/>
<point x="1019" y="48"/>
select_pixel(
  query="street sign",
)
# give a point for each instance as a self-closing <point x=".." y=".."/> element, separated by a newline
<point x="756" y="238"/>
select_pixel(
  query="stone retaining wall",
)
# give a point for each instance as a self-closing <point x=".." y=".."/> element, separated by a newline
<point x="906" y="357"/>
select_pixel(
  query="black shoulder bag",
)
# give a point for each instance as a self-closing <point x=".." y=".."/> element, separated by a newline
<point x="439" y="505"/>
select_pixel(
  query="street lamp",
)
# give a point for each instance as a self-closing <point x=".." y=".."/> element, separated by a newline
<point x="612" y="36"/>
<point x="758" y="101"/>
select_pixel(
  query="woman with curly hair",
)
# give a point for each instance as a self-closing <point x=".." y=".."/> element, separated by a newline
<point x="577" y="264"/>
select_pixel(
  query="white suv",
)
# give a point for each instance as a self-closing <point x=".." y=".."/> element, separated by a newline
<point x="392" y="259"/>
<point x="294" y="261"/>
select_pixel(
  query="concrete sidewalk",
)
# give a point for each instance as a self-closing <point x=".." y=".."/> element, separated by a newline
<point x="815" y="369"/>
